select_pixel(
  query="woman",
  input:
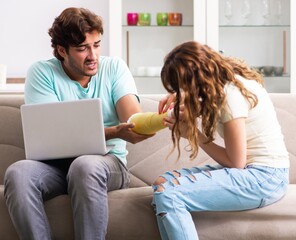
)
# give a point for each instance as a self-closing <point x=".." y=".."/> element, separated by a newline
<point x="224" y="95"/>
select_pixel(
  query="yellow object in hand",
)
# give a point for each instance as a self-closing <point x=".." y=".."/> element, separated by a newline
<point x="148" y="122"/>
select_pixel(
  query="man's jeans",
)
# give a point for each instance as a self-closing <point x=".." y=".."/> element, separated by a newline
<point x="213" y="189"/>
<point x="86" y="179"/>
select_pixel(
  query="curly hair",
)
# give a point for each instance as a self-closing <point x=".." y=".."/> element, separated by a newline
<point x="70" y="27"/>
<point x="197" y="75"/>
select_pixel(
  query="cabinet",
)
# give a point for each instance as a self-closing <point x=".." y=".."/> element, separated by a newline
<point x="259" y="31"/>
<point x="144" y="47"/>
<point x="235" y="27"/>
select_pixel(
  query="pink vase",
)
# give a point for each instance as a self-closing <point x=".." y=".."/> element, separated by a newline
<point x="132" y="19"/>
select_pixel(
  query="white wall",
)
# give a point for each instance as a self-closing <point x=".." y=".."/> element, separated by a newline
<point x="24" y="26"/>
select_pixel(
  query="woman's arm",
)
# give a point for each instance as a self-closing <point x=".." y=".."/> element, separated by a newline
<point x="234" y="154"/>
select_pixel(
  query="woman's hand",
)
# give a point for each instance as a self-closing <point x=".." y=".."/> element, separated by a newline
<point x="170" y="121"/>
<point x="166" y="103"/>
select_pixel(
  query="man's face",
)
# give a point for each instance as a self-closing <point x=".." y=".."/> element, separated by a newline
<point x="81" y="62"/>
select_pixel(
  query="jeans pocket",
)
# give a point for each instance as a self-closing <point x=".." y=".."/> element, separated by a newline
<point x="275" y="195"/>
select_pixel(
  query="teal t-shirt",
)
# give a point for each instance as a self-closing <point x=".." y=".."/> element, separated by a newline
<point x="46" y="81"/>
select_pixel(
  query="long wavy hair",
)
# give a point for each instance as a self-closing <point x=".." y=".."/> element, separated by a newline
<point x="71" y="26"/>
<point x="197" y="75"/>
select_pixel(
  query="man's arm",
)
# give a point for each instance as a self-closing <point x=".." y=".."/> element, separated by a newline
<point x="125" y="107"/>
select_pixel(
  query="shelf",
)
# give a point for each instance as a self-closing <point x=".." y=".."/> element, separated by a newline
<point x="277" y="77"/>
<point x="15" y="80"/>
<point x="254" y="26"/>
<point x="156" y="26"/>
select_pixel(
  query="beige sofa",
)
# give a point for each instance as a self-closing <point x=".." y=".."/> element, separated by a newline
<point x="131" y="216"/>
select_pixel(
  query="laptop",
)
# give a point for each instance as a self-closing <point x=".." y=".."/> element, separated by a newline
<point x="66" y="129"/>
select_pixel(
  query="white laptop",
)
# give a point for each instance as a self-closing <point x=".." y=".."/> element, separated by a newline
<point x="63" y="129"/>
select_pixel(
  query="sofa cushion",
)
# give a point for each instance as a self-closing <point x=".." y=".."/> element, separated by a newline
<point x="132" y="217"/>
<point x="7" y="231"/>
<point x="11" y="137"/>
<point x="268" y="223"/>
<point x="286" y="112"/>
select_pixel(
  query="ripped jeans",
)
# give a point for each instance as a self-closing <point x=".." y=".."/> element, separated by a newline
<point x="213" y="188"/>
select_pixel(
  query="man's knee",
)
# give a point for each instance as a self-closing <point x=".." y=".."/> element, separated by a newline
<point x="16" y="171"/>
<point x="87" y="168"/>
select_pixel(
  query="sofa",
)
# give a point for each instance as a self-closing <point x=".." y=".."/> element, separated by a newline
<point x="131" y="216"/>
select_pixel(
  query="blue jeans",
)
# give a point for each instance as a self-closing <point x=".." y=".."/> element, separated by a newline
<point x="213" y="189"/>
<point x="86" y="179"/>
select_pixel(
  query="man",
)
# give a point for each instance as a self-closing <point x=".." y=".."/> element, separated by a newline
<point x="77" y="72"/>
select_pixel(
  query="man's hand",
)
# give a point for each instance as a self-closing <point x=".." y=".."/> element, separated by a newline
<point x="124" y="131"/>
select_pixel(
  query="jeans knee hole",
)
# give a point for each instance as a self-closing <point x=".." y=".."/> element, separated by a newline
<point x="175" y="182"/>
<point x="208" y="173"/>
<point x="160" y="188"/>
<point x="193" y="178"/>
<point x="159" y="181"/>
<point x="176" y="173"/>
<point x="162" y="214"/>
